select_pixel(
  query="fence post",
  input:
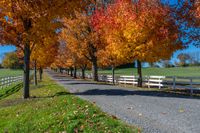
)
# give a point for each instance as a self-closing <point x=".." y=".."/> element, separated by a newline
<point x="124" y="80"/>
<point x="191" y="84"/>
<point x="1" y="83"/>
<point x="174" y="82"/>
<point x="159" y="83"/>
<point x="7" y="81"/>
<point x="148" y="78"/>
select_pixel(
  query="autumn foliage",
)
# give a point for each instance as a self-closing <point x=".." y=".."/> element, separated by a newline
<point x="82" y="41"/>
<point x="24" y="23"/>
<point x="142" y="31"/>
<point x="91" y="34"/>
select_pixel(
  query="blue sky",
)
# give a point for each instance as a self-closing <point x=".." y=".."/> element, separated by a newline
<point x="190" y="49"/>
<point x="5" y="49"/>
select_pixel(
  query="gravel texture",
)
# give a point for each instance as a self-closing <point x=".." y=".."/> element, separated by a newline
<point x="154" y="112"/>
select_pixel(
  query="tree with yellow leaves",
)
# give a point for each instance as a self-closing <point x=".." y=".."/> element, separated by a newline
<point x="112" y="56"/>
<point x="144" y="30"/>
<point x="82" y="40"/>
<point x="22" y="22"/>
<point x="44" y="55"/>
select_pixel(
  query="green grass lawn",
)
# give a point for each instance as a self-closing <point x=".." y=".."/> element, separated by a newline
<point x="53" y="109"/>
<point x="7" y="91"/>
<point x="179" y="71"/>
<point x="10" y="72"/>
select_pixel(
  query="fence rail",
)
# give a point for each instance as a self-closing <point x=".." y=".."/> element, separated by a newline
<point x="7" y="81"/>
<point x="174" y="82"/>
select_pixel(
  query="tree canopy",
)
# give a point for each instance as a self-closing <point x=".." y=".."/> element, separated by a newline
<point x="79" y="33"/>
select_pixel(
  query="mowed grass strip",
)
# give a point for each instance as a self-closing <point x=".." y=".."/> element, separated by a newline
<point x="10" y="72"/>
<point x="53" y="109"/>
<point x="176" y="71"/>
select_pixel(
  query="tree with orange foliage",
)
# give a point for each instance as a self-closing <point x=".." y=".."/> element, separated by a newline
<point x="82" y="39"/>
<point x="44" y="55"/>
<point x="112" y="56"/>
<point x="63" y="59"/>
<point x="144" y="30"/>
<point x="22" y="22"/>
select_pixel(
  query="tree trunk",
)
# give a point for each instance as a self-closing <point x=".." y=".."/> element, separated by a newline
<point x="75" y="76"/>
<point x="71" y="72"/>
<point x="95" y="70"/>
<point x="139" y="67"/>
<point x="26" y="70"/>
<point x="41" y="72"/>
<point x="60" y="70"/>
<point x="67" y="71"/>
<point x="35" y="73"/>
<point x="113" y="75"/>
<point x="83" y="73"/>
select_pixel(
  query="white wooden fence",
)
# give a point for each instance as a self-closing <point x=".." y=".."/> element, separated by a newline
<point x="155" y="81"/>
<point x="174" y="82"/>
<point x="7" y="81"/>
<point x="127" y="80"/>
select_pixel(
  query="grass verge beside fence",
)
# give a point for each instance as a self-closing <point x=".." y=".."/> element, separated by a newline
<point x="175" y="71"/>
<point x="53" y="109"/>
<point x="10" y="72"/>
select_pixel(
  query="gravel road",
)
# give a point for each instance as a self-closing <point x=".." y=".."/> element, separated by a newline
<point x="154" y="112"/>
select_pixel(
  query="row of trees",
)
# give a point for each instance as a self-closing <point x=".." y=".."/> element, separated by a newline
<point x="182" y="60"/>
<point x="13" y="61"/>
<point x="190" y="59"/>
<point x="91" y="34"/>
<point x="32" y="24"/>
<point x="124" y="31"/>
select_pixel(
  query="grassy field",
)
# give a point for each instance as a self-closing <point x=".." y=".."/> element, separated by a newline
<point x="179" y="71"/>
<point x="52" y="109"/>
<point x="10" y="72"/>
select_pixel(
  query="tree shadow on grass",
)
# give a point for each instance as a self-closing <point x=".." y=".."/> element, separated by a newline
<point x="17" y="101"/>
<point x="120" y="92"/>
<point x="62" y="93"/>
<point x="9" y="91"/>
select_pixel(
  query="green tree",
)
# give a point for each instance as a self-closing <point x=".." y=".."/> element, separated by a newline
<point x="183" y="59"/>
<point x="11" y="61"/>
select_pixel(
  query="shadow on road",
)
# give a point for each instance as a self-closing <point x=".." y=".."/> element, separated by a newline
<point x="89" y="83"/>
<point x="120" y="92"/>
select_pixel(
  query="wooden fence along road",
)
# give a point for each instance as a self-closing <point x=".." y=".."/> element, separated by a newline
<point x="177" y="82"/>
<point x="173" y="82"/>
<point x="7" y="81"/>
